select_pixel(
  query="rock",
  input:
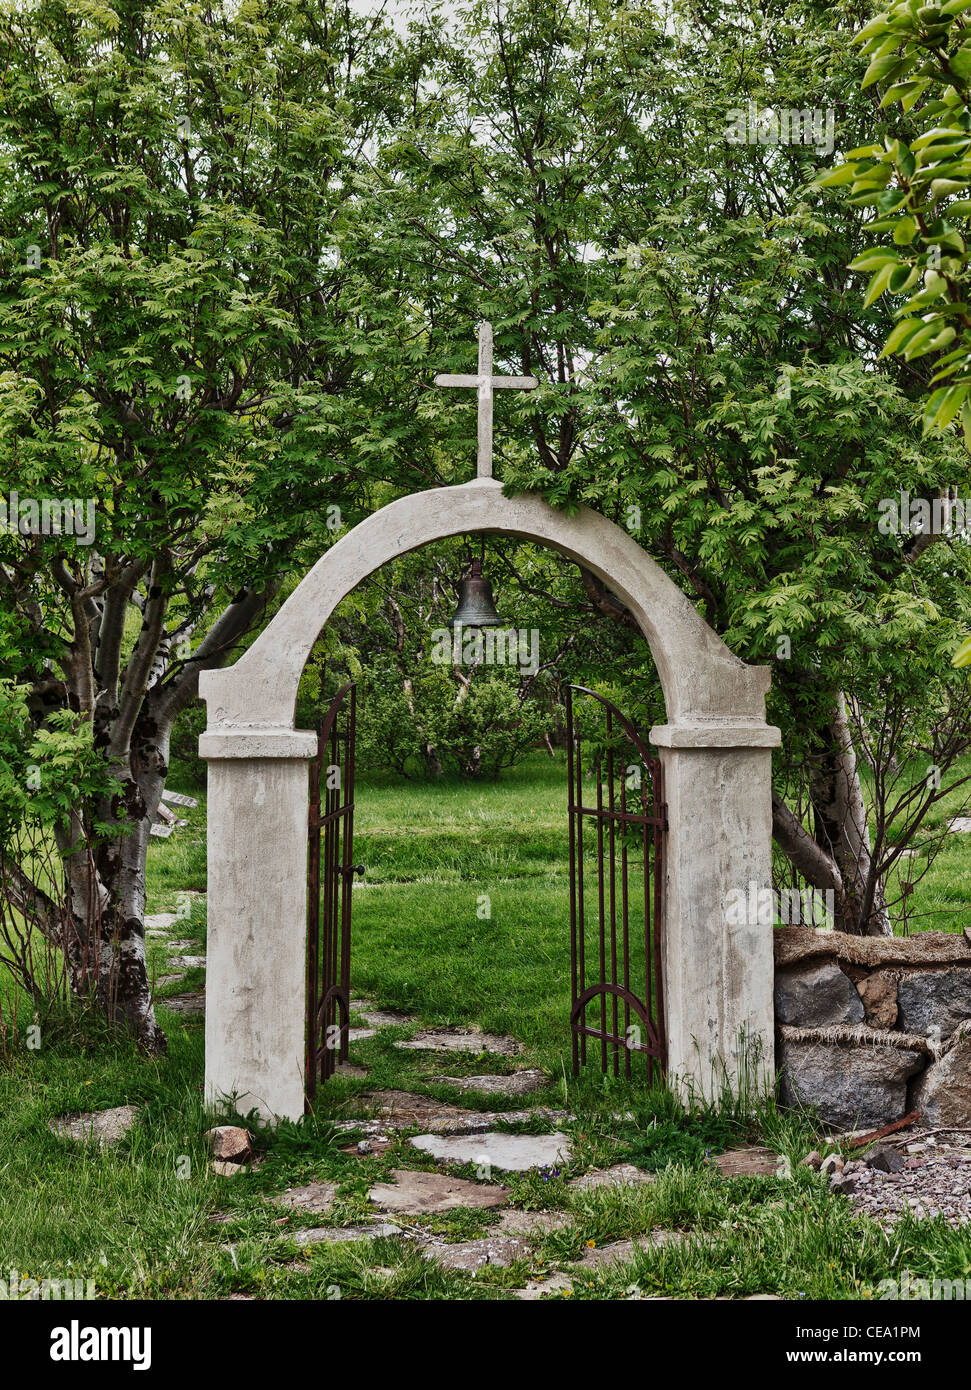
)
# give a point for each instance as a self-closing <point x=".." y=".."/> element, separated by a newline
<point x="459" y="1040"/>
<point x="413" y="1193"/>
<point x="453" y="1121"/>
<point x="105" y="1126"/>
<point x="384" y="1018"/>
<point x="878" y="993"/>
<point x="843" y="1183"/>
<point x="749" y="1161"/>
<point x="337" y="1235"/>
<point x="934" y="998"/>
<point x="230" y="1143"/>
<point x="406" y="1111"/>
<point x="473" y="1255"/>
<point x="316" y="1196"/>
<point x="184" y="1003"/>
<point x="812" y="1160"/>
<point x="228" y="1170"/>
<point x="360" y="1034"/>
<point x="511" y="1153"/>
<point x="187" y="962"/>
<point x="943" y="1094"/>
<point x="546" y="1287"/>
<point x="184" y="944"/>
<point x="600" y="1256"/>
<point x="847" y="1085"/>
<point x="519" y="1083"/>
<point x="162" y="921"/>
<point x="832" y="1163"/>
<point x="814" y="994"/>
<point x="886" y="1160"/>
<point x="532" y="1223"/>
<point x="960" y="825"/>
<point x="620" y="1175"/>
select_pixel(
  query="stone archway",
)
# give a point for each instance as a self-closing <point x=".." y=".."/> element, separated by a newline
<point x="715" y="749"/>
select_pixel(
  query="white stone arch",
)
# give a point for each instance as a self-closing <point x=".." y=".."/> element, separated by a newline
<point x="715" y="747"/>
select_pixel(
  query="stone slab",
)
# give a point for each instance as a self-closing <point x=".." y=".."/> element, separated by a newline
<point x="459" y="1040"/>
<point x="602" y="1256"/>
<point x="315" y="1196"/>
<point x="518" y="1083"/>
<point x="337" y="1235"/>
<point x="413" y="1193"/>
<point x="162" y="921"/>
<point x="750" y="1161"/>
<point x="408" y="1111"/>
<point x="509" y="1153"/>
<point x="383" y="1018"/>
<point x="620" y="1175"/>
<point x="105" y="1126"/>
<point x="472" y="1255"/>
<point x="187" y="962"/>
<point x="534" y="1224"/>
<point x="184" y="1003"/>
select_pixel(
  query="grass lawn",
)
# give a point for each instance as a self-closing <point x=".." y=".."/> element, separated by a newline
<point x="137" y="1218"/>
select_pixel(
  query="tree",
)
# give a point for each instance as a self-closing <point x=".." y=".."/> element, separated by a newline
<point x="178" y="343"/>
<point x="708" y="369"/>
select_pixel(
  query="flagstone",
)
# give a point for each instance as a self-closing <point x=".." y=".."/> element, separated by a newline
<point x="513" y="1153"/>
<point x="517" y="1083"/>
<point x="459" y="1040"/>
<point x="620" y="1175"/>
<point x="106" y="1126"/>
<point x="413" y="1192"/>
<point x="473" y="1255"/>
<point x="315" y="1196"/>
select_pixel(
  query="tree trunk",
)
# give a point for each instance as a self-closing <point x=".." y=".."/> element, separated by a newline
<point x="841" y="830"/>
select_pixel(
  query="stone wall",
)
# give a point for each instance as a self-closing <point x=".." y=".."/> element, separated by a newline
<point x="870" y="1028"/>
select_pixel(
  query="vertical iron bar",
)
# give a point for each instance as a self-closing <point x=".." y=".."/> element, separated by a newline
<point x="613" y="886"/>
<point x="581" y="916"/>
<point x="571" y="813"/>
<point x="601" y="926"/>
<point x="625" y="914"/>
<point x="313" y="924"/>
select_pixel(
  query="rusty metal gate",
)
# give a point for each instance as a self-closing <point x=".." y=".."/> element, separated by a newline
<point x="330" y="870"/>
<point x="615" y="941"/>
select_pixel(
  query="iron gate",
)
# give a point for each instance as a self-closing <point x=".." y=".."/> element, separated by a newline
<point x="606" y="969"/>
<point x="330" y="828"/>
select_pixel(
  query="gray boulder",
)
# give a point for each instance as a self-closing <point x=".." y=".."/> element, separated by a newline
<point x="934" y="998"/>
<point x="850" y="1086"/>
<point x="943" y="1094"/>
<point x="816" y="993"/>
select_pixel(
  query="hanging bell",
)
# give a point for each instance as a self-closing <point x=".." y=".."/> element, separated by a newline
<point x="476" y="607"/>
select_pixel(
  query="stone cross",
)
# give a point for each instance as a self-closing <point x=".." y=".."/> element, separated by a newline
<point x="486" y="383"/>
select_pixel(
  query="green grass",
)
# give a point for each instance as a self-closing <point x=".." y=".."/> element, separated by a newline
<point x="137" y="1218"/>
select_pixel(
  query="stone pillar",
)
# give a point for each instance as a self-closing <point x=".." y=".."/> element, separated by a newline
<point x="718" y="974"/>
<point x="257" y="915"/>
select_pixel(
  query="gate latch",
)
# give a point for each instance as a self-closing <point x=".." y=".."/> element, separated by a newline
<point x="350" y="868"/>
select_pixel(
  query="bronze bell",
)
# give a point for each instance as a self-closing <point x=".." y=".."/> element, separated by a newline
<point x="476" y="607"/>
